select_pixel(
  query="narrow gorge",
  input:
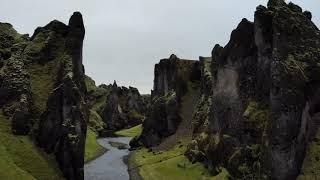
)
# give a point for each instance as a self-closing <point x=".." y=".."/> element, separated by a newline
<point x="248" y="111"/>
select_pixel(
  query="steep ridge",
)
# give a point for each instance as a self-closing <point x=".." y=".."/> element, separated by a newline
<point x="174" y="78"/>
<point x="264" y="97"/>
<point x="257" y="113"/>
<point x="43" y="94"/>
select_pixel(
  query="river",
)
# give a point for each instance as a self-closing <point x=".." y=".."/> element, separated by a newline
<point x="109" y="166"/>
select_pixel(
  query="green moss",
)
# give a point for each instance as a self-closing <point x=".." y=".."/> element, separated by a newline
<point x="131" y="132"/>
<point x="95" y="121"/>
<point x="295" y="67"/>
<point x="92" y="149"/>
<point x="311" y="164"/>
<point x="254" y="113"/>
<point x="37" y="44"/>
<point x="169" y="97"/>
<point x="90" y="84"/>
<point x="99" y="104"/>
<point x="22" y="157"/>
<point x="7" y="29"/>
<point x="171" y="164"/>
<point x="42" y="79"/>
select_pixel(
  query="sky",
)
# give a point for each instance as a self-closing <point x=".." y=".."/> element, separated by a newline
<point x="126" y="38"/>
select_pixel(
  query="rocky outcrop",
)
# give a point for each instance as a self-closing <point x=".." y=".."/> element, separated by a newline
<point x="263" y="114"/>
<point x="42" y="89"/>
<point x="15" y="88"/>
<point x="113" y="108"/>
<point x="124" y="108"/>
<point x="62" y="127"/>
<point x="174" y="77"/>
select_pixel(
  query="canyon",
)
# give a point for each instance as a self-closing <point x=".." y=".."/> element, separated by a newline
<point x="249" y="111"/>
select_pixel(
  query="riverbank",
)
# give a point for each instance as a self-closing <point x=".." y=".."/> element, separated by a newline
<point x="171" y="164"/>
<point x="93" y="149"/>
<point x="131" y="132"/>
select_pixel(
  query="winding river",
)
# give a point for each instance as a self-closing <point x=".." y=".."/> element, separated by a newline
<point x="109" y="166"/>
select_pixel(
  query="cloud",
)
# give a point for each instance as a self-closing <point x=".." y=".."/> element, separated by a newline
<point x="125" y="38"/>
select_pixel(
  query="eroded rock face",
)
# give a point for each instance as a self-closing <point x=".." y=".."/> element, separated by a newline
<point x="15" y="88"/>
<point x="123" y="108"/>
<point x="113" y="107"/>
<point x="173" y="78"/>
<point x="263" y="114"/>
<point x="42" y="88"/>
<point x="62" y="128"/>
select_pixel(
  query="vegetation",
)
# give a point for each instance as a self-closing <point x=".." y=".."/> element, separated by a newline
<point x="42" y="81"/>
<point x="21" y="159"/>
<point x="171" y="164"/>
<point x="93" y="149"/>
<point x="90" y="84"/>
<point x="95" y="121"/>
<point x="131" y="132"/>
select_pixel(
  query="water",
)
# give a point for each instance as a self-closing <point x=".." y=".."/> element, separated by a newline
<point x="109" y="166"/>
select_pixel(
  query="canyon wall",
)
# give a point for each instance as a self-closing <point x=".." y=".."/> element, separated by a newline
<point x="42" y="89"/>
<point x="257" y="113"/>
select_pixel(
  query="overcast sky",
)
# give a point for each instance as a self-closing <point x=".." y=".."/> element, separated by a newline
<point x="125" y="38"/>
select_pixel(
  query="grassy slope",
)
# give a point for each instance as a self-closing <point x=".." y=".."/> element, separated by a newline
<point x="93" y="149"/>
<point x="171" y="164"/>
<point x="131" y="132"/>
<point x="21" y="159"/>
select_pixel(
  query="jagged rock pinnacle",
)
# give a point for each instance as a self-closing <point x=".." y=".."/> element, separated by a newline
<point x="273" y="3"/>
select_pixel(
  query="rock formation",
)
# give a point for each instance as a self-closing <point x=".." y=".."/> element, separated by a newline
<point x="263" y="116"/>
<point x="173" y="78"/>
<point x="124" y="108"/>
<point x="113" y="108"/>
<point x="62" y="128"/>
<point x="257" y="116"/>
<point x="42" y="89"/>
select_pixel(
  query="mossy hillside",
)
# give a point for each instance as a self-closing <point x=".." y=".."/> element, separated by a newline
<point x="95" y="121"/>
<point x="92" y="148"/>
<point x="99" y="104"/>
<point x="131" y="132"/>
<point x="90" y="84"/>
<point x="22" y="157"/>
<point x="171" y="164"/>
<point x="9" y="170"/>
<point x="97" y="94"/>
<point x="9" y="36"/>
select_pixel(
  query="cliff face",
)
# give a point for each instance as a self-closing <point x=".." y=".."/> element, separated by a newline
<point x="263" y="113"/>
<point x="173" y="79"/>
<point x="62" y="127"/>
<point x="42" y="89"/>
